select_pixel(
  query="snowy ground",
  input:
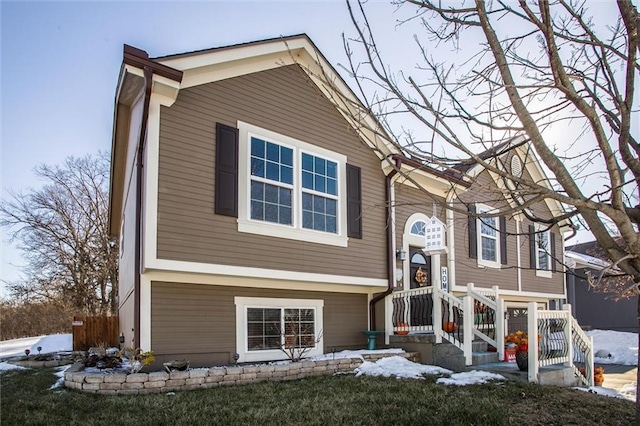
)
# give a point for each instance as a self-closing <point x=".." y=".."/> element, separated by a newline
<point x="622" y="347"/>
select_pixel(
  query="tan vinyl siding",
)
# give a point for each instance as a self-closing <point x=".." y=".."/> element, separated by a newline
<point x="198" y="322"/>
<point x="467" y="269"/>
<point x="281" y="100"/>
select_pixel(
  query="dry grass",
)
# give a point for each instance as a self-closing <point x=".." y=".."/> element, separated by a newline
<point x="340" y="400"/>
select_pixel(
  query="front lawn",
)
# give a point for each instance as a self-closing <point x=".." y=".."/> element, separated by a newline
<point x="341" y="400"/>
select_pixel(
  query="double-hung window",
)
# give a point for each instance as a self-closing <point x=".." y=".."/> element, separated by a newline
<point x="267" y="328"/>
<point x="290" y="189"/>
<point x="488" y="229"/>
<point x="271" y="182"/>
<point x="319" y="193"/>
<point x="542" y="250"/>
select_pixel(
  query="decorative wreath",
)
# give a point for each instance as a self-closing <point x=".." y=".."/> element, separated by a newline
<point x="421" y="277"/>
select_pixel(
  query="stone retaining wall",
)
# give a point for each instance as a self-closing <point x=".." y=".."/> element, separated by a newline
<point x="157" y="382"/>
<point x="42" y="364"/>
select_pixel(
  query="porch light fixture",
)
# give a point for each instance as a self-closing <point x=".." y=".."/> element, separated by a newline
<point x="236" y="357"/>
<point x="401" y="255"/>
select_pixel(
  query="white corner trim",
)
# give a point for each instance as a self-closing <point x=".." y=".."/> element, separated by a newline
<point x="145" y="314"/>
<point x="150" y="201"/>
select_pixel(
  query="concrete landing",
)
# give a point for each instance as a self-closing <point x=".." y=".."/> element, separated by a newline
<point x="558" y="375"/>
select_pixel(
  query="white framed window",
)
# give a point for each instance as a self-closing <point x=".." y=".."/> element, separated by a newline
<point x="543" y="252"/>
<point x="488" y="238"/>
<point x="290" y="189"/>
<point x="264" y="325"/>
<point x="418" y="228"/>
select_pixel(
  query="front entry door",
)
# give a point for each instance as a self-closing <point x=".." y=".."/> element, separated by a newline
<point x="420" y="276"/>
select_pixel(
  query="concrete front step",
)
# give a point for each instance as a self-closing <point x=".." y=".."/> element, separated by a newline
<point x="558" y="375"/>
<point x="449" y="356"/>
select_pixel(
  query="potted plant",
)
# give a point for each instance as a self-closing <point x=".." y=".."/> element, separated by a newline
<point x="517" y="346"/>
<point x="598" y="375"/>
<point x="403" y="329"/>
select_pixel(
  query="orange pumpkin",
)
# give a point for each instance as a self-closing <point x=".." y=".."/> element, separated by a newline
<point x="449" y="327"/>
<point x="402" y="332"/>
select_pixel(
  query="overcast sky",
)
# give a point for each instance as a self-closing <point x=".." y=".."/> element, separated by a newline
<point x="60" y="64"/>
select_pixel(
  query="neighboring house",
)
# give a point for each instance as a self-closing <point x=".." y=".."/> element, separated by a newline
<point x="252" y="205"/>
<point x="594" y="308"/>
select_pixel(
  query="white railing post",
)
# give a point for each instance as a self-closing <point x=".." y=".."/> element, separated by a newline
<point x="467" y="303"/>
<point x="437" y="314"/>
<point x="388" y="320"/>
<point x="533" y="341"/>
<point x="568" y="332"/>
<point x="500" y="327"/>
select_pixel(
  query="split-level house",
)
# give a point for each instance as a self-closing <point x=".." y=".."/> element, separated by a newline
<point x="255" y="202"/>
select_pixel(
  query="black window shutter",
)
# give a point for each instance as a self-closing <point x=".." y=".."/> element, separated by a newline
<point x="354" y="202"/>
<point x="226" y="197"/>
<point x="552" y="242"/>
<point x="533" y="253"/>
<point x="473" y="242"/>
<point x="503" y="240"/>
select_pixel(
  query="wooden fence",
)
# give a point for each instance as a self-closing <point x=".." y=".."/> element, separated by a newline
<point x="94" y="331"/>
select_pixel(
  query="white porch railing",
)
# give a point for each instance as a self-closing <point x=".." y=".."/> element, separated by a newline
<point x="475" y="315"/>
<point x="556" y="338"/>
<point x="488" y="315"/>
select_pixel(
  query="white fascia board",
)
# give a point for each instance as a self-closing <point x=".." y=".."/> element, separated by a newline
<point x="235" y="53"/>
<point x="241" y="60"/>
<point x="234" y="276"/>
<point x="434" y="184"/>
<point x="346" y="102"/>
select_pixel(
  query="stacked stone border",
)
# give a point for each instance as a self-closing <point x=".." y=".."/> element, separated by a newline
<point x="41" y="364"/>
<point x="202" y="378"/>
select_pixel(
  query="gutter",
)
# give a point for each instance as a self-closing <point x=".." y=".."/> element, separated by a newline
<point x="390" y="253"/>
<point x="148" y="83"/>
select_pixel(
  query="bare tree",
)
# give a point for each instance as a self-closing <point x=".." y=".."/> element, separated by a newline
<point x="549" y="75"/>
<point x="61" y="230"/>
<point x="539" y="67"/>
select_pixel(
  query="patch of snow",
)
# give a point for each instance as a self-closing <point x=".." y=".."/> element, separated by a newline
<point x="355" y="354"/>
<point x="397" y="366"/>
<point x="470" y="378"/>
<point x="60" y="375"/>
<point x="622" y="346"/>
<point x="5" y="366"/>
<point x="600" y="390"/>
<point x="628" y="391"/>
<point x="49" y="344"/>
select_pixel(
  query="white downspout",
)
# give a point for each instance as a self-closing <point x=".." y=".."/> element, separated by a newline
<point x="518" y="254"/>
<point x="451" y="252"/>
